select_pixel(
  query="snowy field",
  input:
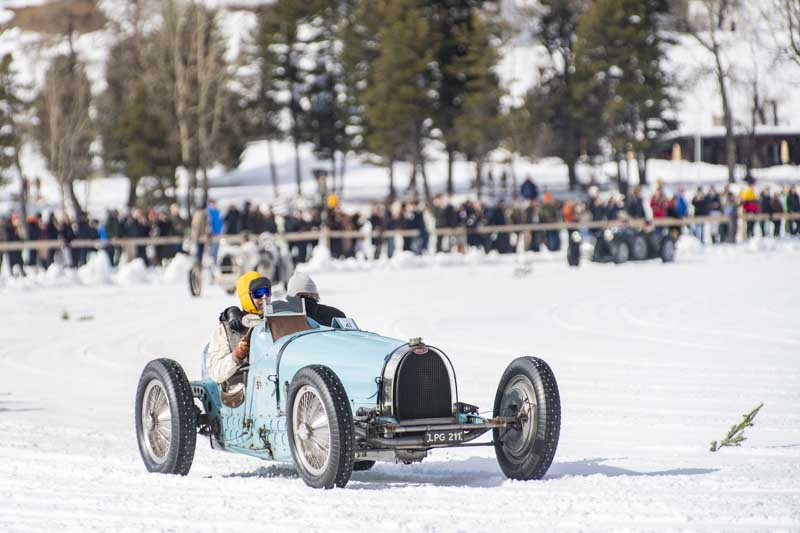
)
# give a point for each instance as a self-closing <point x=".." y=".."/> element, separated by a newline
<point x="653" y="362"/>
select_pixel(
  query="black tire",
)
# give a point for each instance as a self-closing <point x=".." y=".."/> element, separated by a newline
<point x="639" y="248"/>
<point x="196" y="280"/>
<point x="172" y="455"/>
<point x="621" y="252"/>
<point x="574" y="255"/>
<point x="667" y="251"/>
<point x="363" y="466"/>
<point x="527" y="452"/>
<point x="337" y="467"/>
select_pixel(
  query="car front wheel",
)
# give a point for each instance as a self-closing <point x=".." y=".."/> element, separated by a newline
<point x="528" y="391"/>
<point x="320" y="428"/>
<point x="166" y="418"/>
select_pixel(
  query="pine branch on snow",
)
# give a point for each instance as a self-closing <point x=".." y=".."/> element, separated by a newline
<point x="735" y="436"/>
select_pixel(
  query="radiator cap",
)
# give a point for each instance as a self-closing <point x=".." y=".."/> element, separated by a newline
<point x="416" y="344"/>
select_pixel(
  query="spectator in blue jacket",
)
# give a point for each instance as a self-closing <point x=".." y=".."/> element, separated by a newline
<point x="215" y="222"/>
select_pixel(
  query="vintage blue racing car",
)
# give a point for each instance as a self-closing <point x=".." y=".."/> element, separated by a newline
<point x="334" y="400"/>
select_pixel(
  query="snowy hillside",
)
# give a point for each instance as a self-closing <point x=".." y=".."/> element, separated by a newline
<point x="648" y="377"/>
<point x="750" y="52"/>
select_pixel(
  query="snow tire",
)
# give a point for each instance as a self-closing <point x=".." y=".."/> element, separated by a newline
<point x="527" y="452"/>
<point x="196" y="280"/>
<point x="639" y="248"/>
<point x="326" y="386"/>
<point x="166" y="377"/>
<point x="621" y="252"/>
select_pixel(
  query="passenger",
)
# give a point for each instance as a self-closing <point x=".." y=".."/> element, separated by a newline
<point x="301" y="285"/>
<point x="230" y="344"/>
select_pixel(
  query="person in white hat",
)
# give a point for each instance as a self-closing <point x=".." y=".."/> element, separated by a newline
<point x="302" y="286"/>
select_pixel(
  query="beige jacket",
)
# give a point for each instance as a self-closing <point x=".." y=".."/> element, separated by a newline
<point x="200" y="226"/>
<point x="221" y="364"/>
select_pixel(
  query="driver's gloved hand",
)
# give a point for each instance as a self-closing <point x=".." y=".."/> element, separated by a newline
<point x="233" y="316"/>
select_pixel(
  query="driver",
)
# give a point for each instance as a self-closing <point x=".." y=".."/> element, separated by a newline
<point x="230" y="344"/>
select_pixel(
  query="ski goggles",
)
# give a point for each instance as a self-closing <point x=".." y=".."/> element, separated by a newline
<point x="260" y="292"/>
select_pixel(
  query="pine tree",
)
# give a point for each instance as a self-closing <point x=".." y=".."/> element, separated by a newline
<point x="397" y="100"/>
<point x="452" y="22"/>
<point x="64" y="130"/>
<point x="279" y="38"/>
<point x="553" y="114"/>
<point x="133" y="121"/>
<point x="263" y="106"/>
<point x="619" y="55"/>
<point x="479" y="127"/>
<point x="11" y="109"/>
<point x="358" y="35"/>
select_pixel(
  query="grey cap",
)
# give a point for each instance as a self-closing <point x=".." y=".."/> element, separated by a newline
<point x="301" y="283"/>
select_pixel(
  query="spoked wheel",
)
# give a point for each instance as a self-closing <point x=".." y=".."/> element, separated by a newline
<point x="165" y="418"/>
<point x="528" y="391"/>
<point x="196" y="280"/>
<point x="320" y="428"/>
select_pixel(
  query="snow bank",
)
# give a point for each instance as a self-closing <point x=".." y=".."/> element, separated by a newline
<point x="132" y="273"/>
<point x="178" y="269"/>
<point x="97" y="270"/>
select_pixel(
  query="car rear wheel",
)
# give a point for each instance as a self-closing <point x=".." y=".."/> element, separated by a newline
<point x="320" y="428"/>
<point x="667" y="251"/>
<point x="639" y="248"/>
<point x="196" y="280"/>
<point x="527" y="390"/>
<point x="621" y="252"/>
<point x="166" y="418"/>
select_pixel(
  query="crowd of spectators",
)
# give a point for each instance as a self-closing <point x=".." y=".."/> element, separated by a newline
<point x="442" y="213"/>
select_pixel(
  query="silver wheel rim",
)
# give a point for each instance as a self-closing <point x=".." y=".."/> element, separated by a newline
<point x="312" y="432"/>
<point x="156" y="421"/>
<point x="519" y="392"/>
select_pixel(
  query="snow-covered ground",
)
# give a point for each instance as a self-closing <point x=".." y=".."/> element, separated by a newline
<point x="653" y="362"/>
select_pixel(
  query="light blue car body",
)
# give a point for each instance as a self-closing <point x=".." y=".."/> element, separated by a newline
<point x="258" y="426"/>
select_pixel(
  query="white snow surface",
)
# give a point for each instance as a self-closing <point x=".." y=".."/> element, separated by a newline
<point x="653" y="362"/>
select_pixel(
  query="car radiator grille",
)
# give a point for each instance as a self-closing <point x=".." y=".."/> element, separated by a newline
<point x="423" y="387"/>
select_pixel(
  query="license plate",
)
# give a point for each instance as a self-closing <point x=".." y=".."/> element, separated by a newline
<point x="443" y="437"/>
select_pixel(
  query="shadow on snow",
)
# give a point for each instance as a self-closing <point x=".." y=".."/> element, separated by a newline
<point x="476" y="472"/>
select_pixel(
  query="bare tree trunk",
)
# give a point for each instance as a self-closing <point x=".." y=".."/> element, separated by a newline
<point x="174" y="23"/>
<point x="717" y="13"/>
<point x="297" y="164"/>
<point x="572" y="173"/>
<point x="479" y="178"/>
<point x="134" y="183"/>
<point x="205" y="186"/>
<point x="342" y="170"/>
<point x="76" y="205"/>
<point x="425" y="186"/>
<point x="450" y="155"/>
<point x="730" y="142"/>
<point x="272" y="170"/>
<point x="24" y="185"/>
<point x="392" y="191"/>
